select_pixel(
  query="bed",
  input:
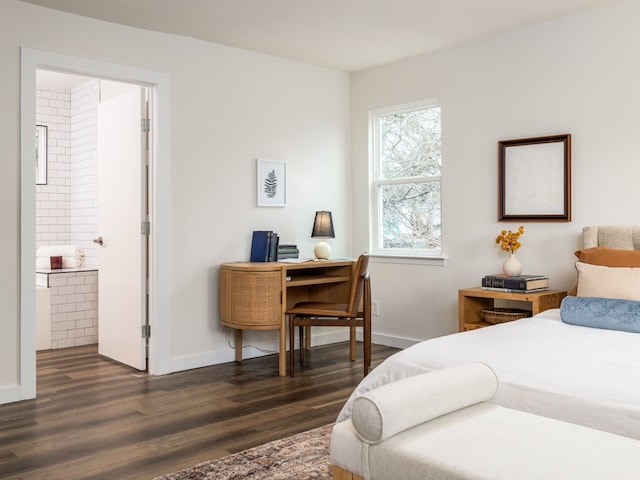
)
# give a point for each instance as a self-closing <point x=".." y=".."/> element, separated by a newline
<point x="580" y="374"/>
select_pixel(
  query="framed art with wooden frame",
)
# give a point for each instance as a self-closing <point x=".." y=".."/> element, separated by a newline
<point x="41" y="155"/>
<point x="534" y="179"/>
<point x="271" y="183"/>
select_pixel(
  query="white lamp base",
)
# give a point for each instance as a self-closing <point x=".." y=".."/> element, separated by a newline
<point x="322" y="250"/>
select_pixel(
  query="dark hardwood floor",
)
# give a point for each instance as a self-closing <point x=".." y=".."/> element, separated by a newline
<point x="96" y="419"/>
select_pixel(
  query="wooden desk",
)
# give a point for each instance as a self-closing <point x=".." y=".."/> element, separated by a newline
<point x="256" y="295"/>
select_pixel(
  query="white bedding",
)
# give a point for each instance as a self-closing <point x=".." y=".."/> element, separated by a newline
<point x="581" y="375"/>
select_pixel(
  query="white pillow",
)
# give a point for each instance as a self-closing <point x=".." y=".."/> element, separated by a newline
<point x="608" y="282"/>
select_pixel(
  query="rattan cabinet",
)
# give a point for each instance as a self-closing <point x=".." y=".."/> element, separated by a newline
<point x="255" y="295"/>
<point x="250" y="298"/>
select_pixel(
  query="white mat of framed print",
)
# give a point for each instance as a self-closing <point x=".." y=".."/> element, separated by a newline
<point x="272" y="183"/>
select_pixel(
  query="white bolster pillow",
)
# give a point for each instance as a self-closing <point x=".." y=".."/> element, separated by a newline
<point x="400" y="405"/>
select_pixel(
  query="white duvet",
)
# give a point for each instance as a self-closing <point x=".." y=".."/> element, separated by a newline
<point x="581" y="375"/>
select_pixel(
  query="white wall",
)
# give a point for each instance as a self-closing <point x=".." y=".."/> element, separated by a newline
<point x="578" y="75"/>
<point x="228" y="107"/>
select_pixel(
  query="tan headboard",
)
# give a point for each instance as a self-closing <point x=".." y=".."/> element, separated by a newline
<point x="626" y="238"/>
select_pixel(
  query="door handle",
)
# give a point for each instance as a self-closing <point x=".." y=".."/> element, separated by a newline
<point x="98" y="240"/>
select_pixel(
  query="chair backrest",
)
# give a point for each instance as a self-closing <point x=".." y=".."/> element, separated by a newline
<point x="357" y="284"/>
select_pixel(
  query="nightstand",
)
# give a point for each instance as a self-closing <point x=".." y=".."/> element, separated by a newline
<point x="471" y="302"/>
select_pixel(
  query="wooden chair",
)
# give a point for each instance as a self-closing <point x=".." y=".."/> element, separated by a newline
<point x="355" y="313"/>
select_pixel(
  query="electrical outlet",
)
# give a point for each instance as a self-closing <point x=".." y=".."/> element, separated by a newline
<point x="375" y="308"/>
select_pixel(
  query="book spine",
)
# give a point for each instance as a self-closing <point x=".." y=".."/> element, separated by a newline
<point x="514" y="290"/>
<point x="267" y="247"/>
<point x="512" y="283"/>
<point x="273" y="247"/>
<point x="260" y="246"/>
<point x="287" y="255"/>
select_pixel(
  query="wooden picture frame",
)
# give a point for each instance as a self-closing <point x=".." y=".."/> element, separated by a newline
<point x="271" y="188"/>
<point x="41" y="155"/>
<point x="534" y="179"/>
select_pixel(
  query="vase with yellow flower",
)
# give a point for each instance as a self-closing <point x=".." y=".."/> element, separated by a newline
<point x="509" y="242"/>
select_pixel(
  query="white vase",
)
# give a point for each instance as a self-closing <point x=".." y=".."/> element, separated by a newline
<point x="512" y="266"/>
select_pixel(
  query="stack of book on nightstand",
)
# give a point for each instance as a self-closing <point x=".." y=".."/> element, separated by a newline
<point x="517" y="284"/>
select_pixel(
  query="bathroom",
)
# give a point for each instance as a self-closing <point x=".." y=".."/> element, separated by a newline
<point x="67" y="207"/>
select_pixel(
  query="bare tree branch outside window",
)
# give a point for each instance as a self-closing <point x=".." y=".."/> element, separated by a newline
<point x="408" y="183"/>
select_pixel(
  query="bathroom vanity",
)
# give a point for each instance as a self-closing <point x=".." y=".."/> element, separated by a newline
<point x="66" y="307"/>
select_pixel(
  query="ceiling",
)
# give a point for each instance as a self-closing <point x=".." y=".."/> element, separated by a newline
<point x="348" y="35"/>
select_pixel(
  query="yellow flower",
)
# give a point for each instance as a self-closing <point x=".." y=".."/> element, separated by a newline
<point x="508" y="240"/>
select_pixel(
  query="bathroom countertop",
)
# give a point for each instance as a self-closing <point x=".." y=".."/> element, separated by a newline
<point x="49" y="271"/>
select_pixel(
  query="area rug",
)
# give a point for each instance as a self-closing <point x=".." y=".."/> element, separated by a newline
<point x="301" y="457"/>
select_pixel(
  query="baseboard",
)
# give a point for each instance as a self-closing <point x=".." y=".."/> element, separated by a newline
<point x="376" y="338"/>
<point x="12" y="394"/>
<point x="227" y="355"/>
<point x="391" y="341"/>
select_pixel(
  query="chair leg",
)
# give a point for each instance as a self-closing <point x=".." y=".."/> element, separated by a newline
<point x="367" y="348"/>
<point x="292" y="346"/>
<point x="366" y="328"/>
<point x="302" y="344"/>
<point x="352" y="343"/>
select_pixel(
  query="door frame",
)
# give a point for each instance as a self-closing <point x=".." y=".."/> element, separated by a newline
<point x="159" y="239"/>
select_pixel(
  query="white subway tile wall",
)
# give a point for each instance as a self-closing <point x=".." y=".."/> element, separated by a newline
<point x="74" y="308"/>
<point x="66" y="207"/>
<point x="53" y="225"/>
<point x="84" y="168"/>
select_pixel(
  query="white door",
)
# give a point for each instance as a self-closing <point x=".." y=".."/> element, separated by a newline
<point x="121" y="210"/>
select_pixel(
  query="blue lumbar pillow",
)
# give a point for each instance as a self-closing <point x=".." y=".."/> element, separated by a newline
<point x="597" y="312"/>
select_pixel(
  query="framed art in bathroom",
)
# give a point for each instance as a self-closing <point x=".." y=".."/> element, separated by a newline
<point x="41" y="154"/>
<point x="271" y="183"/>
<point x="534" y="179"/>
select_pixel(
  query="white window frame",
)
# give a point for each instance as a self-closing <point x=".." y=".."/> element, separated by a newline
<point x="431" y="256"/>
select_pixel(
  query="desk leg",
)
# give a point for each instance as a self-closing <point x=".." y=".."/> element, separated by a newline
<point x="282" y="352"/>
<point x="238" y="340"/>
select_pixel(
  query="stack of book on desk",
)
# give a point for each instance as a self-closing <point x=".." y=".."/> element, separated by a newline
<point x="288" y="251"/>
<point x="264" y="246"/>
<point x="519" y="283"/>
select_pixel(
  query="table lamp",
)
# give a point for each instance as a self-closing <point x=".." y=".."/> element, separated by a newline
<point x="322" y="228"/>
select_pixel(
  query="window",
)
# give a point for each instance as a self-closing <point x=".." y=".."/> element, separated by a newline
<point x="406" y="172"/>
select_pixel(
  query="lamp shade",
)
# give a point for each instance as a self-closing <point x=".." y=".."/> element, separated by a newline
<point x="323" y="225"/>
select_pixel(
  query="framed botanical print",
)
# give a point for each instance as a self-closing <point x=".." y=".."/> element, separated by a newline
<point x="271" y="183"/>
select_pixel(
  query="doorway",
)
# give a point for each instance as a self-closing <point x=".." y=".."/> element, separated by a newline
<point x="158" y="239"/>
<point x="92" y="198"/>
